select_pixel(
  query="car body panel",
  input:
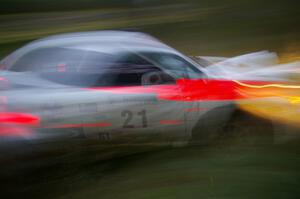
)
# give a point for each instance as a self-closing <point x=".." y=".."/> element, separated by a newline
<point x="120" y="114"/>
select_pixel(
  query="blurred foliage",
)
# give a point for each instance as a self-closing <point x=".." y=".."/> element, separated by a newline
<point x="214" y="27"/>
<point x="221" y="171"/>
<point x="17" y="6"/>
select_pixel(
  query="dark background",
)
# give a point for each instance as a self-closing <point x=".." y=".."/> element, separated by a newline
<point x="227" y="27"/>
<point x="204" y="27"/>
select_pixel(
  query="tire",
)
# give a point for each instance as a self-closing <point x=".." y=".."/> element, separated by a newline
<point x="210" y="126"/>
<point x="241" y="129"/>
<point x="246" y="129"/>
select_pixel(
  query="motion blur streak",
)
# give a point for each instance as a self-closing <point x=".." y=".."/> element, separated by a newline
<point x="267" y="85"/>
<point x="294" y="100"/>
<point x="103" y="124"/>
<point x="183" y="90"/>
<point x="193" y="90"/>
<point x="171" y="122"/>
<point x="289" y="92"/>
<point x="278" y="102"/>
<point x="3" y="102"/>
<point x="17" y="124"/>
<point x="3" y="83"/>
<point x="194" y="109"/>
<point x="279" y="110"/>
<point x="14" y="131"/>
<point x="19" y="118"/>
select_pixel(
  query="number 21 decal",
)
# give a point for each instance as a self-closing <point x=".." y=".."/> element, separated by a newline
<point x="129" y="116"/>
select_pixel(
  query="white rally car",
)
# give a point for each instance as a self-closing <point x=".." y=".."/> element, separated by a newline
<point x="117" y="87"/>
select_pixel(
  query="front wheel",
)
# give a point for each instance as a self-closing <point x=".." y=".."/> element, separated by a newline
<point x="246" y="129"/>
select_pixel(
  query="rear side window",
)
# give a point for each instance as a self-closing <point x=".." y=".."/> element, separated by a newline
<point x="62" y="60"/>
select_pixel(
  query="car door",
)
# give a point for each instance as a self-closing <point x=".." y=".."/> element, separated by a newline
<point x="114" y="97"/>
<point x="135" y="106"/>
<point x="188" y="103"/>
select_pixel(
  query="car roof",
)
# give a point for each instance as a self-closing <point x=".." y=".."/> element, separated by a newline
<point x="104" y="40"/>
<point x="99" y="41"/>
<point x="110" y="42"/>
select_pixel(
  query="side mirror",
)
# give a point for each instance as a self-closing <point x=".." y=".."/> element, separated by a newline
<point x="156" y="78"/>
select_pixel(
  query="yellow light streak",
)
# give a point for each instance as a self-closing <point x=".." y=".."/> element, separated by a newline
<point x="267" y="85"/>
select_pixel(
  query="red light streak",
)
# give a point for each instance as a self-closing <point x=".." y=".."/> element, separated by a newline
<point x="13" y="131"/>
<point x="183" y="90"/>
<point x="195" y="109"/>
<point x="195" y="90"/>
<point x="102" y="124"/>
<point x="171" y="122"/>
<point x="19" y="118"/>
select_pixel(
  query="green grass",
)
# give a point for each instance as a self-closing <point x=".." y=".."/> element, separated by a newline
<point x="224" y="28"/>
<point x="217" y="171"/>
<point x="200" y="173"/>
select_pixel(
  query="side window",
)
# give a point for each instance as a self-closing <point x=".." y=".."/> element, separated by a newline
<point x="173" y="64"/>
<point x="85" y="68"/>
<point x="48" y="60"/>
<point x="139" y="71"/>
<point x="59" y="59"/>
